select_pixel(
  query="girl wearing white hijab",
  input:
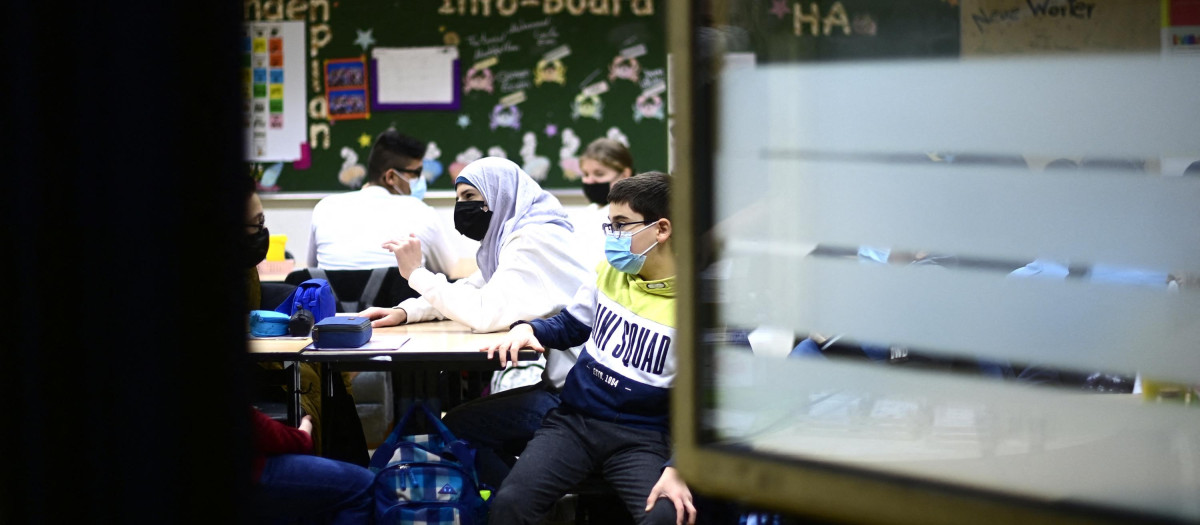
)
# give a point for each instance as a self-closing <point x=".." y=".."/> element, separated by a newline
<point x="525" y="272"/>
<point x="525" y="268"/>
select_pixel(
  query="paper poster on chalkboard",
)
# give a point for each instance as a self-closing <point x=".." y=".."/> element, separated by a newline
<point x="1181" y="33"/>
<point x="273" y="91"/>
<point x="1006" y="27"/>
<point x="415" y="78"/>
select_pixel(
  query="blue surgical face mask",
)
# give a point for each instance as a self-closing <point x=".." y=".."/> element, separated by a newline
<point x="619" y="251"/>
<point x="418" y="187"/>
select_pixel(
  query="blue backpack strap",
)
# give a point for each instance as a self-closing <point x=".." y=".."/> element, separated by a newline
<point x="382" y="454"/>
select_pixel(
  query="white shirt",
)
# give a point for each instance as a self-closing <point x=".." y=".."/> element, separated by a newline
<point x="348" y="230"/>
<point x="537" y="276"/>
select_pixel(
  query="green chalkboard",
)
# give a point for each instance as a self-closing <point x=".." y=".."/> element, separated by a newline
<point x="837" y="30"/>
<point x="595" y="36"/>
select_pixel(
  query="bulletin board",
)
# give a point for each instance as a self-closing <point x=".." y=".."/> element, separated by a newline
<point x="533" y="80"/>
<point x="836" y="30"/>
<point x="991" y="27"/>
<point x="839" y="30"/>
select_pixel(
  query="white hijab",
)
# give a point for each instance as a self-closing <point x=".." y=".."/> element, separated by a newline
<point x="516" y="201"/>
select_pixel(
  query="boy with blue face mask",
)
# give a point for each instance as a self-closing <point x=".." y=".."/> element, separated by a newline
<point x="613" y="417"/>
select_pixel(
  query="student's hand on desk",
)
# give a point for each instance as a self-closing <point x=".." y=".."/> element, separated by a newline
<point x="407" y="252"/>
<point x="672" y="487"/>
<point x="519" y="337"/>
<point x="381" y="317"/>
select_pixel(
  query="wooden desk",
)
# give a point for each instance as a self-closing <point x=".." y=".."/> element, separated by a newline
<point x="431" y="348"/>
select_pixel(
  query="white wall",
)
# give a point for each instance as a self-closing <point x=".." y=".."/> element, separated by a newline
<point x="291" y="213"/>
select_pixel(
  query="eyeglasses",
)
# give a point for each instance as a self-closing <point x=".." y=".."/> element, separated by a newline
<point x="257" y="227"/>
<point x="617" y="229"/>
<point x="412" y="173"/>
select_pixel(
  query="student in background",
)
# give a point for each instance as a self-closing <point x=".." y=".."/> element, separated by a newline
<point x="253" y="249"/>
<point x="255" y="241"/>
<point x="348" y="228"/>
<point x="614" y="414"/>
<point x="292" y="483"/>
<point x="527" y="270"/>
<point x="603" y="163"/>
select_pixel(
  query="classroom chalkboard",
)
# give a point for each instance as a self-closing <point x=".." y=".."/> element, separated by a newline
<point x="787" y="31"/>
<point x="535" y="81"/>
<point x="837" y="30"/>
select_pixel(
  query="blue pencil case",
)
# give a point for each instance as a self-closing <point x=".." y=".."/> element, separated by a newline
<point x="268" y="323"/>
<point x="341" y="332"/>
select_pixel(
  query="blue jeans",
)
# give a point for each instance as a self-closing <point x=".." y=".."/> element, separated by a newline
<point x="500" y="425"/>
<point x="315" y="489"/>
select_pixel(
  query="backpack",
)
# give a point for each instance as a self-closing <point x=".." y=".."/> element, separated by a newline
<point x="314" y="295"/>
<point x="522" y="374"/>
<point x="426" y="478"/>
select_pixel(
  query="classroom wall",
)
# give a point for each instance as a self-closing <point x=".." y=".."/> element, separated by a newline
<point x="291" y="214"/>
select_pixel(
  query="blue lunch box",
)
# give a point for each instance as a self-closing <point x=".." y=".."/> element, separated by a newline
<point x="341" y="332"/>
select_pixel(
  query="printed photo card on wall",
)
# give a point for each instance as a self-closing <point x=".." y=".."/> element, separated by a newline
<point x="346" y="89"/>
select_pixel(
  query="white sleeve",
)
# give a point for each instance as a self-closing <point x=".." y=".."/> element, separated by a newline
<point x="517" y="291"/>
<point x="418" y="309"/>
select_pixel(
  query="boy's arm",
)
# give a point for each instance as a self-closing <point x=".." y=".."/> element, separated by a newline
<point x="672" y="487"/>
<point x="272" y="437"/>
<point x="561" y="331"/>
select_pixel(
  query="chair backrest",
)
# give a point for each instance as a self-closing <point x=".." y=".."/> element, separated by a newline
<point x="274" y="293"/>
<point x="356" y="290"/>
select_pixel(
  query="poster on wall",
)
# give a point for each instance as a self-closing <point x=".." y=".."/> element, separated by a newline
<point x="346" y="89"/>
<point x="416" y="78"/>
<point x="273" y="91"/>
<point x="1003" y="27"/>
<point x="1181" y="30"/>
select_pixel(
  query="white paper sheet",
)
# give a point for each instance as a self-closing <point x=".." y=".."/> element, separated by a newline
<point x="415" y="75"/>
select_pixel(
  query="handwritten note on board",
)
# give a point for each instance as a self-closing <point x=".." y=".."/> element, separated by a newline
<point x="415" y="76"/>
<point x="999" y="27"/>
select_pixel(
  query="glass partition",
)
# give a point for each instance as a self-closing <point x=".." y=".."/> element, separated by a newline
<point x="948" y="248"/>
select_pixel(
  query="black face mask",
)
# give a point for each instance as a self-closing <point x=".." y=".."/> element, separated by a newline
<point x="596" y="192"/>
<point x="471" y="219"/>
<point x="253" y="248"/>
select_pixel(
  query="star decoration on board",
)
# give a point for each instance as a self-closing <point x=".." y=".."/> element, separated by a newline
<point x="364" y="39"/>
<point x="364" y="140"/>
<point x="464" y="121"/>
<point x="551" y="130"/>
<point x="779" y="8"/>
